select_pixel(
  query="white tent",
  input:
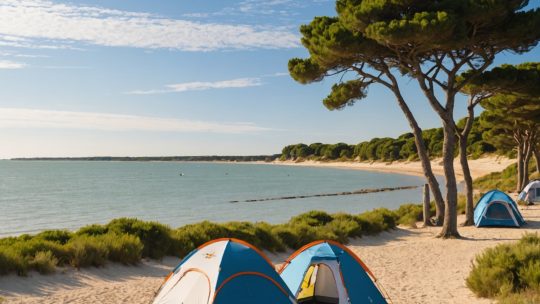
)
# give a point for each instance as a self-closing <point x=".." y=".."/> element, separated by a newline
<point x="531" y="192"/>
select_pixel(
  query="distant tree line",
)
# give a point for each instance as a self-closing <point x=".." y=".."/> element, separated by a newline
<point x="250" y="158"/>
<point x="387" y="148"/>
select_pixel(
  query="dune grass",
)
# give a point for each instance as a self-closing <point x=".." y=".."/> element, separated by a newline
<point x="509" y="272"/>
<point x="127" y="240"/>
<point x="505" y="180"/>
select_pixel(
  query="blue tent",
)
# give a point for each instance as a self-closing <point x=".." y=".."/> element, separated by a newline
<point x="328" y="272"/>
<point x="224" y="271"/>
<point x="496" y="208"/>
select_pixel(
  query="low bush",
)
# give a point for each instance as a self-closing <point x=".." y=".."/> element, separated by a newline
<point x="378" y="220"/>
<point x="508" y="270"/>
<point x="44" y="262"/>
<point x="155" y="237"/>
<point x="87" y="251"/>
<point x="124" y="248"/>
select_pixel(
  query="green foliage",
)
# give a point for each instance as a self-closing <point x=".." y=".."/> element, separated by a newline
<point x="155" y="237"/>
<point x="87" y="251"/>
<point x="377" y="220"/>
<point x="507" y="269"/>
<point x="124" y="248"/>
<point x="57" y="236"/>
<point x="505" y="180"/>
<point x="127" y="240"/>
<point x="392" y="149"/>
<point x="44" y="262"/>
<point x="344" y="94"/>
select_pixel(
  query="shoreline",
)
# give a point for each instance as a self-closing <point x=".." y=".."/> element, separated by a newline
<point x="479" y="167"/>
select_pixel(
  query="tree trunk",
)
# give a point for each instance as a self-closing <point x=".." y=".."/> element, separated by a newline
<point x="519" y="168"/>
<point x="427" y="207"/>
<point x="463" y="136"/>
<point x="469" y="209"/>
<point x="423" y="156"/>
<point x="537" y="159"/>
<point x="449" y="229"/>
<point x="526" y="159"/>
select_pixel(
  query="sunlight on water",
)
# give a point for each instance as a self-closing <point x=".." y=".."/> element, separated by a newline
<point x="52" y="195"/>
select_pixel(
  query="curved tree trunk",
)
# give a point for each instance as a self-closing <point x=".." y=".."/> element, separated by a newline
<point x="463" y="136"/>
<point x="449" y="229"/>
<point x="469" y="208"/>
<point x="424" y="158"/>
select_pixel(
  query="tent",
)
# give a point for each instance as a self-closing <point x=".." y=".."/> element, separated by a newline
<point x="531" y="192"/>
<point x="496" y="208"/>
<point x="224" y="271"/>
<point x="327" y="272"/>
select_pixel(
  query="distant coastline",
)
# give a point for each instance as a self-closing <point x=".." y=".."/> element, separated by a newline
<point x="213" y="158"/>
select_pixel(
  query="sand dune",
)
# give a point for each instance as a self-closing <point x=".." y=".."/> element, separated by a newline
<point x="411" y="264"/>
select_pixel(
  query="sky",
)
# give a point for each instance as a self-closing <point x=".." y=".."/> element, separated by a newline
<point x="175" y="77"/>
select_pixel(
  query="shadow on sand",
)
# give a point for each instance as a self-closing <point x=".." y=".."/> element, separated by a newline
<point x="36" y="284"/>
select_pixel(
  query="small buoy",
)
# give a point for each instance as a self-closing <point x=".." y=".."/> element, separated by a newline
<point x="181" y="174"/>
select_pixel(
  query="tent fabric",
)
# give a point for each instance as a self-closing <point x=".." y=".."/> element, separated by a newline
<point x="496" y="208"/>
<point x="339" y="272"/>
<point x="531" y="192"/>
<point x="224" y="271"/>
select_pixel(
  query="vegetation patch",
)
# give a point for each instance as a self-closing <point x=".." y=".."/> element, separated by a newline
<point x="505" y="180"/>
<point x="127" y="240"/>
<point x="509" y="272"/>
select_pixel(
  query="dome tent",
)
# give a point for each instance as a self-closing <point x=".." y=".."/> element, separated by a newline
<point x="531" y="192"/>
<point x="326" y="272"/>
<point x="224" y="271"/>
<point x="496" y="208"/>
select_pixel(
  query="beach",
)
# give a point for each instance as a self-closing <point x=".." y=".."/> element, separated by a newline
<point x="478" y="167"/>
<point x="411" y="264"/>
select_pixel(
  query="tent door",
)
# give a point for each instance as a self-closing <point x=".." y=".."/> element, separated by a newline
<point x="319" y="286"/>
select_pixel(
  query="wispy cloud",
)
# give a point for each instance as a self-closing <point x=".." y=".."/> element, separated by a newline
<point x="11" y="65"/>
<point x="202" y="85"/>
<point x="35" y="118"/>
<point x="46" y="24"/>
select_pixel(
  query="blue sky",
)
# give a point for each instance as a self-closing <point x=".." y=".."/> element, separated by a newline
<point x="140" y="77"/>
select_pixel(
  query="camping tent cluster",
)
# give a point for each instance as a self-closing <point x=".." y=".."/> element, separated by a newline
<point x="496" y="208"/>
<point x="226" y="271"/>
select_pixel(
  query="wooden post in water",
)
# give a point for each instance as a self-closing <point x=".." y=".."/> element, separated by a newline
<point x="427" y="207"/>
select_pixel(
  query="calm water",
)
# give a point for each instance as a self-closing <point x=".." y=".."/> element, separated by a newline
<point x="50" y="195"/>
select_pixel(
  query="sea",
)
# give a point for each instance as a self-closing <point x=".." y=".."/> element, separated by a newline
<point x="40" y="195"/>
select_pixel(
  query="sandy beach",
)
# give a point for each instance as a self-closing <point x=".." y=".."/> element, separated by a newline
<point x="478" y="167"/>
<point x="411" y="264"/>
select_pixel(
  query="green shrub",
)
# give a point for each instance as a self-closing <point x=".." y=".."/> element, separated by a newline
<point x="189" y="237"/>
<point x="155" y="237"/>
<point x="507" y="269"/>
<point x="56" y="236"/>
<point x="87" y="251"/>
<point x="378" y="220"/>
<point x="409" y="214"/>
<point x="44" y="262"/>
<point x="312" y="218"/>
<point x="124" y="248"/>
<point x="10" y="261"/>
<point x="28" y="248"/>
<point x="92" y="230"/>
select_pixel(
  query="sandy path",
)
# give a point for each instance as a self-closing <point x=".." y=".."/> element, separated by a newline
<point x="411" y="264"/>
